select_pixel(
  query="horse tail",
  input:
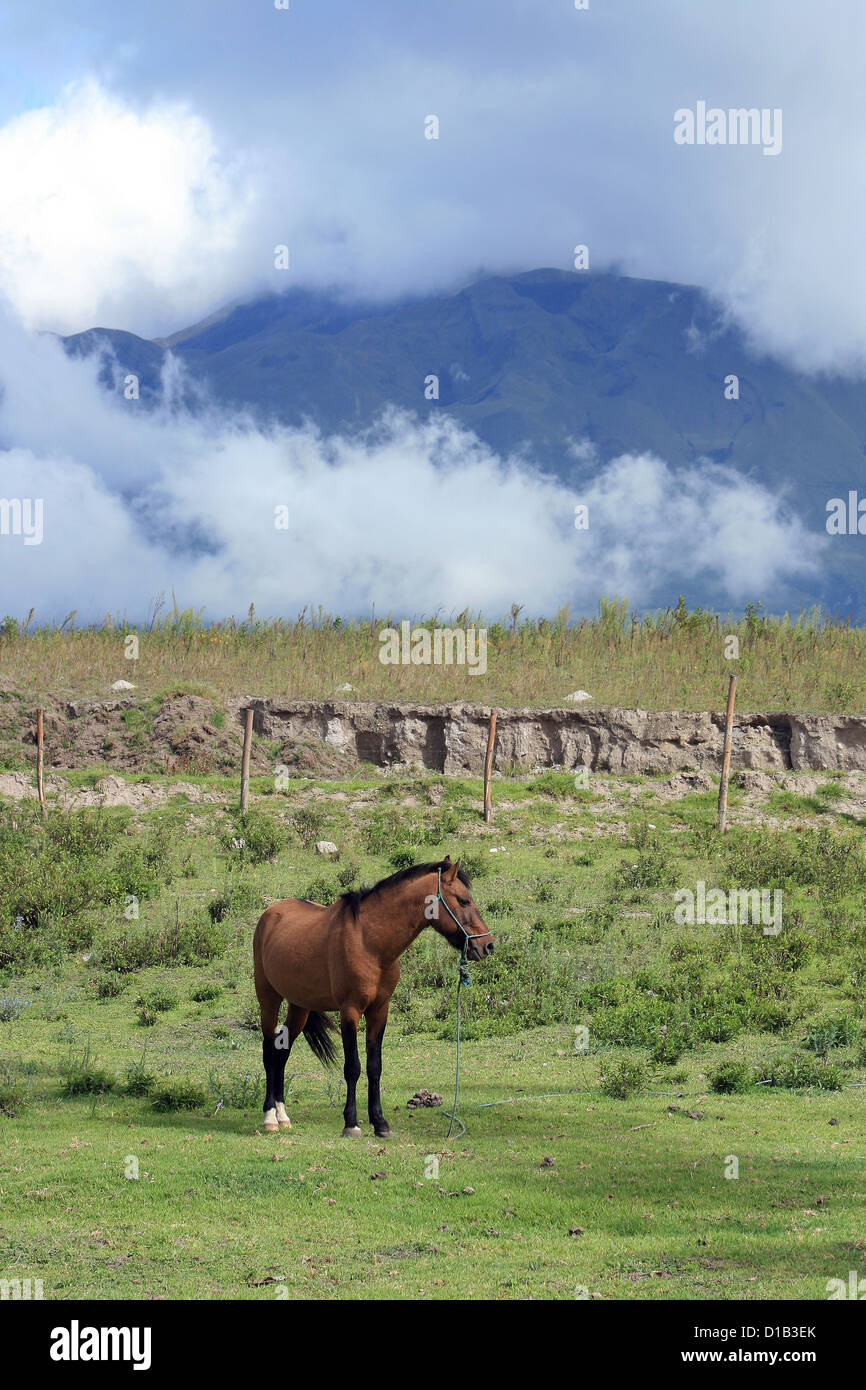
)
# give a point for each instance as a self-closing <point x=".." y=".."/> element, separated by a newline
<point x="317" y="1031"/>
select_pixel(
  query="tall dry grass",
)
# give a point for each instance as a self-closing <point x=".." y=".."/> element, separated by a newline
<point x="675" y="659"/>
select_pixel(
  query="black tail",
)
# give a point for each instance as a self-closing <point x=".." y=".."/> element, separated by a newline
<point x="317" y="1031"/>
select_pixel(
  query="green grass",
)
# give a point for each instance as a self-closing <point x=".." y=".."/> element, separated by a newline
<point x="211" y="1211"/>
<point x="579" y="896"/>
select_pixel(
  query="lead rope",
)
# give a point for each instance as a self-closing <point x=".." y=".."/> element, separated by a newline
<point x="463" y="978"/>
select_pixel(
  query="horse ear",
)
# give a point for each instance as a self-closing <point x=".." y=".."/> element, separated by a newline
<point x="449" y="870"/>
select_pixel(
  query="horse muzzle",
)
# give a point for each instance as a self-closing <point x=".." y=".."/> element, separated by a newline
<point x="478" y="950"/>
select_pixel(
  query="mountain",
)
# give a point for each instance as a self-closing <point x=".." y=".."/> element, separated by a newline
<point x="532" y="362"/>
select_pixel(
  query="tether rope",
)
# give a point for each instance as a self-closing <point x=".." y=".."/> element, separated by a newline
<point x="463" y="978"/>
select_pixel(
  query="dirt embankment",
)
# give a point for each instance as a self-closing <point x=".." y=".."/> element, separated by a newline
<point x="452" y="738"/>
<point x="190" y="734"/>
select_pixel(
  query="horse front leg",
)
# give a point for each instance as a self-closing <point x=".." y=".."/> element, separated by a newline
<point x="377" y="1017"/>
<point x="351" y="1070"/>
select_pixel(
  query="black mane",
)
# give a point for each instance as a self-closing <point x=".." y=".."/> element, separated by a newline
<point x="354" y="898"/>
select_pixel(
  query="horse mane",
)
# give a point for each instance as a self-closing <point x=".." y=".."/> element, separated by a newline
<point x="354" y="898"/>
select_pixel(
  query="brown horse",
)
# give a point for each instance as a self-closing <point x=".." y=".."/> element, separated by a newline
<point x="347" y="957"/>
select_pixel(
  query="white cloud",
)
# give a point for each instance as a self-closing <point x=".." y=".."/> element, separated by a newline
<point x="408" y="517"/>
<point x="109" y="213"/>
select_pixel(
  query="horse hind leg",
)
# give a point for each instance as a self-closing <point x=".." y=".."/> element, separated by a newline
<point x="269" y="1006"/>
<point x="286" y="1035"/>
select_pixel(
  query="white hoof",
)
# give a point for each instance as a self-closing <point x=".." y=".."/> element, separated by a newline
<point x="352" y="1132"/>
<point x="282" y="1118"/>
<point x="269" y="1124"/>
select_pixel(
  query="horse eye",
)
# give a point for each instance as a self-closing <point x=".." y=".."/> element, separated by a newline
<point x="464" y="902"/>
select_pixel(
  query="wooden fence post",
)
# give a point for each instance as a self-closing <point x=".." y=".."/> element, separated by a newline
<point x="488" y="769"/>
<point x="40" y="760"/>
<point x="726" y="755"/>
<point x="245" y="762"/>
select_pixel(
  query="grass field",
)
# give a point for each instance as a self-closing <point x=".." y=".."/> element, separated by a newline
<point x="676" y="659"/>
<point x="129" y="1045"/>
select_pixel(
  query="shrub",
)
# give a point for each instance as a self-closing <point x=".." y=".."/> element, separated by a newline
<point x="237" y="1092"/>
<point x="832" y="1030"/>
<point x="402" y="858"/>
<point x="109" y="985"/>
<point x="10" y="1008"/>
<point x="237" y="899"/>
<point x="204" y="993"/>
<point x="768" y="1015"/>
<point x="139" y="1081"/>
<point x="138" y="947"/>
<point x="731" y="1077"/>
<point x="623" y="1078"/>
<point x="643" y="1022"/>
<point x="321" y="890"/>
<point x="651" y="868"/>
<point x="596" y="922"/>
<point x="253" y="839"/>
<point x="160" y="999"/>
<point x="308" y="822"/>
<point x="348" y="876"/>
<point x="800" y="1071"/>
<point x="475" y="863"/>
<point x="145" y="866"/>
<point x="671" y="1040"/>
<point x="444" y="823"/>
<point x="15" y="1083"/>
<point x="607" y="994"/>
<point x="81" y="1077"/>
<point x="178" y="1093"/>
<point x="53" y="874"/>
<point x="385" y="833"/>
<point x="835" y="863"/>
<point x="82" y="834"/>
<point x="31" y="942"/>
<point x="721" y="1025"/>
<point x="524" y="984"/>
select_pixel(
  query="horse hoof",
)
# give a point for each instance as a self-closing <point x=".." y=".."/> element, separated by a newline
<point x="386" y="1133"/>
<point x="285" y="1124"/>
<point x="351" y="1132"/>
<point x="271" y="1127"/>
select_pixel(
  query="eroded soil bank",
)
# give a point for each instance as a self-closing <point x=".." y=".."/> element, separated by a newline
<point x="179" y="733"/>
